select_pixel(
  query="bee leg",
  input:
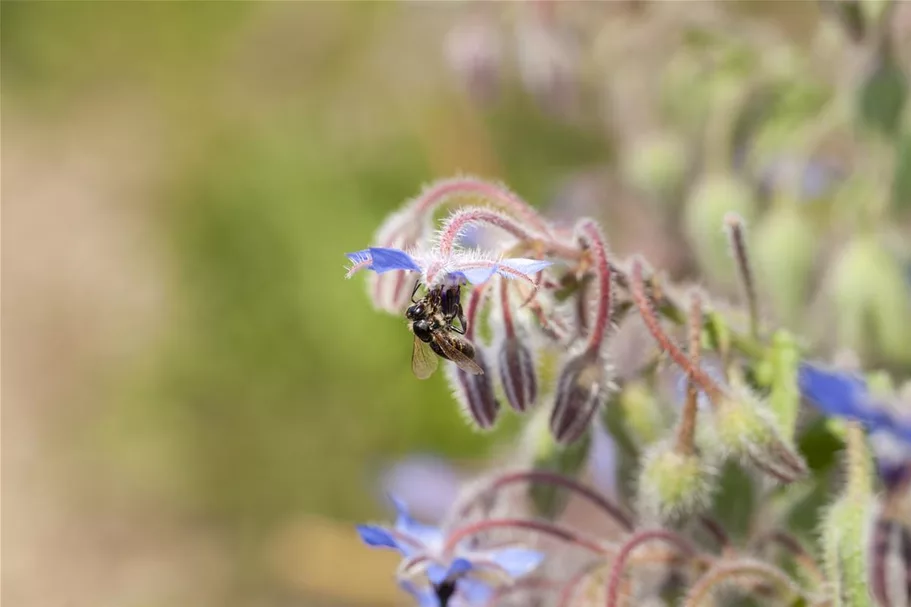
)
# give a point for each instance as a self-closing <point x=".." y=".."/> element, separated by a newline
<point x="417" y="285"/>
<point x="461" y="316"/>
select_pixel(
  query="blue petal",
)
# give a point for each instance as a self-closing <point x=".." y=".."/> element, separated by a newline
<point x="425" y="534"/>
<point x="517" y="561"/>
<point x="436" y="573"/>
<point x="840" y="394"/>
<point x="477" y="276"/>
<point x="475" y="592"/>
<point x="458" y="568"/>
<point x="377" y="537"/>
<point x="385" y="260"/>
<point x="526" y="266"/>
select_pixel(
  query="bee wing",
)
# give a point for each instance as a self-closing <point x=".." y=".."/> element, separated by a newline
<point x="423" y="361"/>
<point x="449" y="347"/>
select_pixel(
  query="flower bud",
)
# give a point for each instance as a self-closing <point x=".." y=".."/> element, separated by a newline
<point x="473" y="51"/>
<point x="674" y="486"/>
<point x="871" y="301"/>
<point x="745" y="428"/>
<point x="582" y="388"/>
<point x="474" y="393"/>
<point x="517" y="374"/>
<point x="784" y="248"/>
<point x="890" y="562"/>
<point x="713" y="197"/>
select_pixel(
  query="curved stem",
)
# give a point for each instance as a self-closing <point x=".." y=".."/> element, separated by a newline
<point x="592" y="234"/>
<point x="446" y="190"/>
<point x="640" y="298"/>
<point x="616" y="572"/>
<point x="686" y="433"/>
<point x="614" y="511"/>
<point x="704" y="585"/>
<point x="460" y="220"/>
<point x="544" y="528"/>
<point x="793" y="546"/>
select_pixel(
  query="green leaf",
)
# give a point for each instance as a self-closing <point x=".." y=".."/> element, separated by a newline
<point x="883" y="95"/>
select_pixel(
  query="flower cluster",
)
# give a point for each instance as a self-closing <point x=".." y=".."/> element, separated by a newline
<point x="677" y="448"/>
<point x="738" y="403"/>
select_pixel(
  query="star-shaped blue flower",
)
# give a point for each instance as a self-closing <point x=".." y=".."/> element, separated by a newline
<point x="422" y="546"/>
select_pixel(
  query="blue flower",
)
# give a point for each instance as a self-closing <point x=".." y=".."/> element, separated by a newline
<point x="423" y="548"/>
<point x="459" y="267"/>
<point x="845" y="395"/>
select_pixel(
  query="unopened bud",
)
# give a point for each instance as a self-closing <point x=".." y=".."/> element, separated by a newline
<point x="474" y="393"/>
<point x="582" y="388"/>
<point x="518" y="374"/>
<point x="890" y="562"/>
<point x="745" y="428"/>
<point x="674" y="486"/>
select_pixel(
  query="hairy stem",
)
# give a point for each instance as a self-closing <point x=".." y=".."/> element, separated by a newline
<point x="707" y="583"/>
<point x="640" y="298"/>
<point x="555" y="531"/>
<point x="460" y="220"/>
<point x="735" y="231"/>
<point x="592" y="234"/>
<point x="542" y="477"/>
<point x="447" y="190"/>
<point x="616" y="573"/>
<point x="687" y="431"/>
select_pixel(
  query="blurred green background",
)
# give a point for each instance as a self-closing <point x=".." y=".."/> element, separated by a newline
<point x="196" y="402"/>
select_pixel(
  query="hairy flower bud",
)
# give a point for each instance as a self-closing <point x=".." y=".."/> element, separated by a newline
<point x="582" y="387"/>
<point x="674" y="486"/>
<point x="475" y="393"/>
<point x="517" y="374"/>
<point x="713" y="197"/>
<point x="516" y="362"/>
<point x="745" y="428"/>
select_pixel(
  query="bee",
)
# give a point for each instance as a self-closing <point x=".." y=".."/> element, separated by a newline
<point x="432" y="322"/>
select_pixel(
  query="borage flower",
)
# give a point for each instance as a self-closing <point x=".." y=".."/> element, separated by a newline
<point x="435" y="268"/>
<point x="846" y="395"/>
<point x="433" y="575"/>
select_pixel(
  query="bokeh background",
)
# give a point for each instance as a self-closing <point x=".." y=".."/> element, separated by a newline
<point x="197" y="406"/>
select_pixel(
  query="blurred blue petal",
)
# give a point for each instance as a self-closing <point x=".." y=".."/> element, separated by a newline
<point x="840" y="394"/>
<point x="517" y="561"/>
<point x="602" y="461"/>
<point x="428" y="484"/>
<point x="377" y="537"/>
<point x="477" y="276"/>
<point x="475" y="592"/>
<point x="425" y="534"/>
<point x="525" y="266"/>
